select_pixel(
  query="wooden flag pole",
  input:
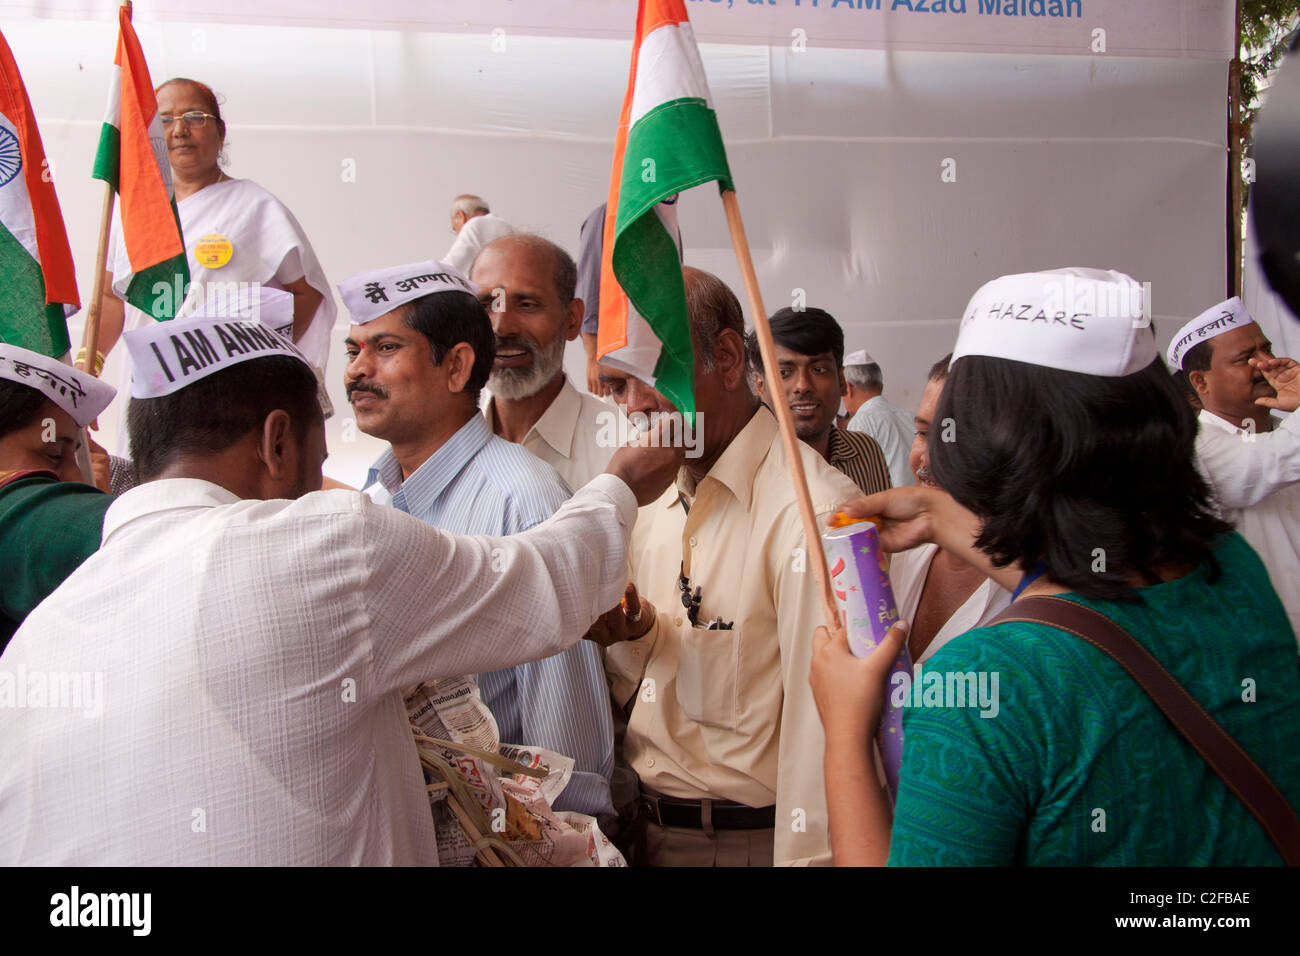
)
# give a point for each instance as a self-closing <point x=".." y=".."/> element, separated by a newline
<point x="90" y="334"/>
<point x="812" y="533"/>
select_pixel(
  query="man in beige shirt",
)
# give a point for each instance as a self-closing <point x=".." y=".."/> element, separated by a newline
<point x="527" y="285"/>
<point x="723" y="732"/>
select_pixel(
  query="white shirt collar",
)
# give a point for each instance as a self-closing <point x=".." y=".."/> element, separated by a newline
<point x="166" y="494"/>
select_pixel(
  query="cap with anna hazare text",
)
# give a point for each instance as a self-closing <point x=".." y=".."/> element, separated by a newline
<point x="78" y="393"/>
<point x="375" y="292"/>
<point x="1092" y="321"/>
<point x="1214" y="321"/>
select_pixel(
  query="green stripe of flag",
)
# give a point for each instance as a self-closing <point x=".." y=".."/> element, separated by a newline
<point x="681" y="140"/>
<point x="108" y="157"/>
<point x="672" y="148"/>
<point x="25" y="319"/>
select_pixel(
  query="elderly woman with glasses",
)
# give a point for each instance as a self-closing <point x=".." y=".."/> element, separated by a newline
<point x="1067" y="474"/>
<point x="234" y="230"/>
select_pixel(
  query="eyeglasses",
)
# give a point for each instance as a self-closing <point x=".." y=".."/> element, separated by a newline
<point x="194" y="118"/>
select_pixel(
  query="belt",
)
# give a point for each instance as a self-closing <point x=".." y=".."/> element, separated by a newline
<point x="705" y="814"/>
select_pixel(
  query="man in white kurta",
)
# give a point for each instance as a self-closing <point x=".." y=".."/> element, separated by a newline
<point x="1256" y="479"/>
<point x="890" y="425"/>
<point x="1249" y="456"/>
<point x="475" y="226"/>
<point x="234" y="667"/>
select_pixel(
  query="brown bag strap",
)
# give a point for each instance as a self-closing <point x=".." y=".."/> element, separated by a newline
<point x="1242" y="775"/>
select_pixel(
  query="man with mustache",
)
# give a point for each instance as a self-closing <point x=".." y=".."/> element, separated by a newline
<point x="419" y="353"/>
<point x="810" y="360"/>
<point x="527" y="285"/>
<point x="1250" y="457"/>
<point x="937" y="591"/>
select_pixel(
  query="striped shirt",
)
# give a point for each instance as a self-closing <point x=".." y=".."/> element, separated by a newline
<point x="477" y="483"/>
<point x="859" y="456"/>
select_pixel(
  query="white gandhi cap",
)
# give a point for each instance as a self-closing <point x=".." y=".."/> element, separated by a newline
<point x="79" y="394"/>
<point x="860" y="357"/>
<point x="1224" y="317"/>
<point x="1079" y="320"/>
<point x="368" y="295"/>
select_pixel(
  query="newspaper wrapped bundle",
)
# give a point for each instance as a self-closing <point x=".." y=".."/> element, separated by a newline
<point x="491" y="802"/>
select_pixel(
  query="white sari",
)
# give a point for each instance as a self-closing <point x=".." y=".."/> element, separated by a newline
<point x="267" y="246"/>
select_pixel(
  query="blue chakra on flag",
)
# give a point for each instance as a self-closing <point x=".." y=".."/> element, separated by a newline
<point x="11" y="157"/>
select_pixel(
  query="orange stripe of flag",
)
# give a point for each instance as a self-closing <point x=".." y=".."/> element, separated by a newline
<point x="51" y="236"/>
<point x="148" y="222"/>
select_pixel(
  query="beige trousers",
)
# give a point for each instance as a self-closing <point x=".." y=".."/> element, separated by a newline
<point x="681" y="846"/>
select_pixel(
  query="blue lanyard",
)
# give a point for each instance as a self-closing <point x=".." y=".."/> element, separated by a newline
<point x="1039" y="570"/>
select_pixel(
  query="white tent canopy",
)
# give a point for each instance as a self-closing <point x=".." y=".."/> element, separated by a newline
<point x="888" y="160"/>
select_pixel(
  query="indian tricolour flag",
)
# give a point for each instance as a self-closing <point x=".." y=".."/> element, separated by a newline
<point x="668" y="140"/>
<point x="38" y="285"/>
<point x="132" y="158"/>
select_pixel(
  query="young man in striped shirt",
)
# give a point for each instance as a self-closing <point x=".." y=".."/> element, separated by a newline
<point x="810" y="357"/>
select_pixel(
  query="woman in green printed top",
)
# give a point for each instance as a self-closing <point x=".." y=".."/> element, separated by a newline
<point x="49" y="520"/>
<point x="1071" y="474"/>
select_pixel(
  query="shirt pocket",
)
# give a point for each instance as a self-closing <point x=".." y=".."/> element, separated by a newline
<point x="706" y="676"/>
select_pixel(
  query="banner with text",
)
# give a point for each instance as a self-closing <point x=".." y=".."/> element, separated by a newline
<point x="1191" y="28"/>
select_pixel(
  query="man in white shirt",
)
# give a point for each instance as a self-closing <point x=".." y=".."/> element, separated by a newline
<point x="890" y="425"/>
<point x="241" y="644"/>
<point x="527" y="284"/>
<point x="1250" y="457"/>
<point x="475" y="226"/>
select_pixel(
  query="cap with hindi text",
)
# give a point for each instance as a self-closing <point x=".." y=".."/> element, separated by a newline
<point x="1092" y="321"/>
<point x="1223" y="317"/>
<point x="368" y="295"/>
<point x="78" y="393"/>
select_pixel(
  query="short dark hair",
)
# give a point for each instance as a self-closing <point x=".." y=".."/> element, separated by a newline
<point x="1196" y="359"/>
<point x="711" y="307"/>
<point x="215" y="412"/>
<point x="810" y="332"/>
<point x="20" y="406"/>
<point x="939" y="370"/>
<point x="1057" y="464"/>
<point x="448" y="318"/>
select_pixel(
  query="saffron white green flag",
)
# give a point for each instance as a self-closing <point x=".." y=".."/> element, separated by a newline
<point x="132" y="158"/>
<point x="37" y="278"/>
<point x="668" y="141"/>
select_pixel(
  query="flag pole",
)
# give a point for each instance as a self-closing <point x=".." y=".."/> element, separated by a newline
<point x="813" y="533"/>
<point x="90" y="334"/>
